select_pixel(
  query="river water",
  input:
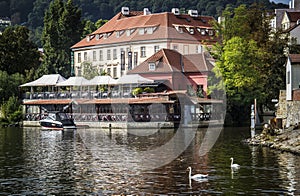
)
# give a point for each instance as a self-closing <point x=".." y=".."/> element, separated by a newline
<point x="141" y="162"/>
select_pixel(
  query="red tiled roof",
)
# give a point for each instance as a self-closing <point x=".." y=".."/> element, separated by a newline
<point x="164" y="22"/>
<point x="167" y="61"/>
<point x="294" y="58"/>
<point x="293" y="16"/>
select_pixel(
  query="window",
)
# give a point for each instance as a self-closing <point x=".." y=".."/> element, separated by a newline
<point x="211" y="32"/>
<point x="79" y="57"/>
<point x="108" y="55"/>
<point x="175" y="47"/>
<point x="179" y="29"/>
<point x="135" y="59"/>
<point x="108" y="71"/>
<point x="143" y="51"/>
<point x="78" y="71"/>
<point x="149" y="30"/>
<point x="156" y="49"/>
<point x="119" y="33"/>
<point x="288" y="77"/>
<point x="185" y="49"/>
<point x="122" y="59"/>
<point x="192" y="31"/>
<point x="115" y="54"/>
<point x="128" y="32"/>
<point x="293" y="40"/>
<point x="129" y="60"/>
<point x="85" y="56"/>
<point x="198" y="49"/>
<point x="101" y="55"/>
<point x="141" y="31"/>
<point x="151" y="66"/>
<point x="94" y="56"/>
<point x="114" y="72"/>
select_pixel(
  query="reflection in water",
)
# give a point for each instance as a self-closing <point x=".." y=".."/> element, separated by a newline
<point x="288" y="171"/>
<point x="107" y="162"/>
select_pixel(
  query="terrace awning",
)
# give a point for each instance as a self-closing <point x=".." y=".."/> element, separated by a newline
<point x="102" y="80"/>
<point x="133" y="79"/>
<point x="46" y="80"/>
<point x="74" y="81"/>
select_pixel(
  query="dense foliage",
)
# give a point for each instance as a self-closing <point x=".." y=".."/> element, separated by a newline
<point x="31" y="12"/>
<point x="18" y="53"/>
<point x="11" y="111"/>
<point x="250" y="60"/>
<point x="62" y="29"/>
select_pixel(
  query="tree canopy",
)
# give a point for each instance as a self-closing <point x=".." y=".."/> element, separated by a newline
<point x="250" y="59"/>
<point x="62" y="28"/>
<point x="18" y="53"/>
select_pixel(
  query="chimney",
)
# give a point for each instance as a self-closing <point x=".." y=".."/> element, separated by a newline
<point x="125" y="11"/>
<point x="146" y="11"/>
<point x="193" y="13"/>
<point x="175" y="11"/>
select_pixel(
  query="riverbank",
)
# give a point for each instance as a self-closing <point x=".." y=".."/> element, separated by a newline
<point x="286" y="141"/>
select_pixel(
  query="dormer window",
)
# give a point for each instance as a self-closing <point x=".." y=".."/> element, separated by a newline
<point x="202" y="31"/>
<point x="141" y="31"/>
<point x="179" y="29"/>
<point x="106" y="35"/>
<point x="129" y="31"/>
<point x="191" y="30"/>
<point x="152" y="66"/>
<point x="119" y="33"/>
<point x="149" y="30"/>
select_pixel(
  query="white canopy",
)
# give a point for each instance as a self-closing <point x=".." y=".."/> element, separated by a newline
<point x="102" y="80"/>
<point x="133" y="79"/>
<point x="46" y="80"/>
<point x="74" y="81"/>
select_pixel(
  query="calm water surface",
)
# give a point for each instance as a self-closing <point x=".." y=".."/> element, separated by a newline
<point x="110" y="162"/>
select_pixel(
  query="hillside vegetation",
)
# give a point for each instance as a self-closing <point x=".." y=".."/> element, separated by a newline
<point x="32" y="11"/>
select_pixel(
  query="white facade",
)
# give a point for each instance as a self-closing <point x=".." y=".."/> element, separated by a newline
<point x="127" y="41"/>
<point x="292" y="79"/>
<point x="294" y="35"/>
<point x="108" y="57"/>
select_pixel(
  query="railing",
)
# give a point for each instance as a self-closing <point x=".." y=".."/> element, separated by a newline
<point x="74" y="95"/>
<point x="113" y="117"/>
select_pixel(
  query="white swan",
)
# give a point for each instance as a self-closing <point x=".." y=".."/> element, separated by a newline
<point x="197" y="177"/>
<point x="234" y="165"/>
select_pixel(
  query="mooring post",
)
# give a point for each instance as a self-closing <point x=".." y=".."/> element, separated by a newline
<point x="252" y="127"/>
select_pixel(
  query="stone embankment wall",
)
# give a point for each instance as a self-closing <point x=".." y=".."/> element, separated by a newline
<point x="288" y="112"/>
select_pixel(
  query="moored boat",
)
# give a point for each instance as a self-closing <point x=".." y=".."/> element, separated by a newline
<point x="57" y="121"/>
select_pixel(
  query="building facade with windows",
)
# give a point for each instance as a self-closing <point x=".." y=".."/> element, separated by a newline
<point x="131" y="37"/>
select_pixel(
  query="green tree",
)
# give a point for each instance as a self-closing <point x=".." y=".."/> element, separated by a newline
<point x="18" y="53"/>
<point x="249" y="59"/>
<point x="89" y="71"/>
<point x="62" y="29"/>
<point x="9" y="85"/>
<point x="11" y="111"/>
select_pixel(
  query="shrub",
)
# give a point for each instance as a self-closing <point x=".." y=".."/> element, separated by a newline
<point x="11" y="110"/>
<point x="149" y="90"/>
<point x="137" y="91"/>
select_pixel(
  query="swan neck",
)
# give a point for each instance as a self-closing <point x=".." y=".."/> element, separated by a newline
<point x="231" y="162"/>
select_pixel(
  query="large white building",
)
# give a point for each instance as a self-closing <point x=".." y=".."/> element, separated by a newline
<point x="131" y="37"/>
